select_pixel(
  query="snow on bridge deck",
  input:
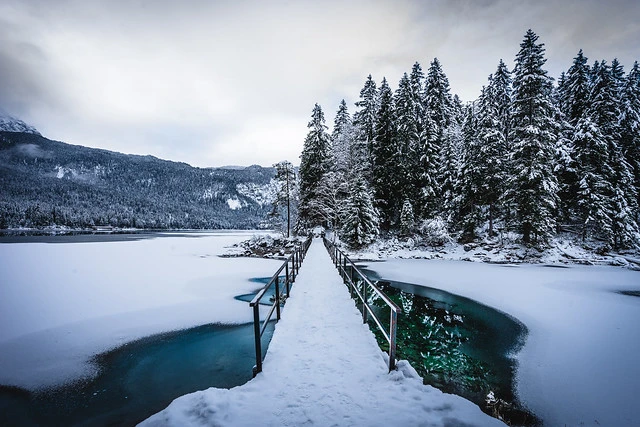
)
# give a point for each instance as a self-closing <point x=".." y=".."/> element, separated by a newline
<point x="323" y="367"/>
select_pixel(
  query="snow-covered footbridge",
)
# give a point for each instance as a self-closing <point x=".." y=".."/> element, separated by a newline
<point x="323" y="367"/>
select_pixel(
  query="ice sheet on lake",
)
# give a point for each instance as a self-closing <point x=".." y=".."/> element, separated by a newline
<point x="60" y="304"/>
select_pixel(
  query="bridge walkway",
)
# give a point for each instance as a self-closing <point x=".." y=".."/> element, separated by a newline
<point x="324" y="367"/>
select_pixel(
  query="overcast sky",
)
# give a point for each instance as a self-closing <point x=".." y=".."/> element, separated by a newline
<point x="215" y="83"/>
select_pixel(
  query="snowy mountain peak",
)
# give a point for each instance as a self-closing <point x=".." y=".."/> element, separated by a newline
<point x="11" y="124"/>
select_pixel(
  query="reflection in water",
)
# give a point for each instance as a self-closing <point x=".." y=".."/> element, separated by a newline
<point x="270" y="294"/>
<point x="456" y="344"/>
<point x="140" y="379"/>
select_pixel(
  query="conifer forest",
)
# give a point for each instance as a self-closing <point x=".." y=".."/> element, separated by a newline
<point x="532" y="155"/>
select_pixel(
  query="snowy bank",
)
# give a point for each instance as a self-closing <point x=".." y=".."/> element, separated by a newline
<point x="323" y="367"/>
<point x="579" y="363"/>
<point x="560" y="251"/>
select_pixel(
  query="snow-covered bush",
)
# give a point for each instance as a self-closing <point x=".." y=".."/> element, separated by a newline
<point x="434" y="232"/>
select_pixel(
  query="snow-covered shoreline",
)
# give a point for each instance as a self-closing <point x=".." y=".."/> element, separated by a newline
<point x="578" y="365"/>
<point x="561" y="251"/>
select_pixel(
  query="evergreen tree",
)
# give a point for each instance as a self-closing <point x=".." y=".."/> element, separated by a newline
<point x="576" y="91"/>
<point x="439" y="111"/>
<point x="591" y="156"/>
<point x="605" y="112"/>
<point x="365" y="118"/>
<point x="407" y="220"/>
<point x="468" y="215"/>
<point x="286" y="192"/>
<point x="533" y="184"/>
<point x="501" y="93"/>
<point x="617" y="73"/>
<point x="361" y="225"/>
<point x="385" y="172"/>
<point x="450" y="156"/>
<point x="407" y="157"/>
<point x="437" y="96"/>
<point x="489" y="155"/>
<point x="333" y="191"/>
<point x="630" y="127"/>
<point x="314" y="164"/>
<point x="560" y="92"/>
<point x="346" y="155"/>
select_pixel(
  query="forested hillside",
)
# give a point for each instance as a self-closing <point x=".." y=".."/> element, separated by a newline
<point x="531" y="155"/>
<point x="46" y="183"/>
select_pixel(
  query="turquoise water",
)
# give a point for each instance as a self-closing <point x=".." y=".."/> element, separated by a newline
<point x="140" y="379"/>
<point x="456" y="344"/>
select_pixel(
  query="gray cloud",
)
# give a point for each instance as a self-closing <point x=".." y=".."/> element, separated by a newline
<point x="214" y="83"/>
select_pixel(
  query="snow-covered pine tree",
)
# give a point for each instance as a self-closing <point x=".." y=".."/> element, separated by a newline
<point x="560" y="90"/>
<point x="489" y="155"/>
<point x="407" y="157"/>
<point x="364" y="119"/>
<point x="451" y="155"/>
<point x="342" y="139"/>
<point x="490" y="145"/>
<point x="573" y="102"/>
<point x="333" y="191"/>
<point x="384" y="168"/>
<point x="501" y="93"/>
<point x="437" y="96"/>
<point x="439" y="108"/>
<point x="593" y="72"/>
<point x="425" y="155"/>
<point x="630" y="127"/>
<point x="407" y="219"/>
<point x="591" y="157"/>
<point x="566" y="171"/>
<point x="467" y="215"/>
<point x="314" y="164"/>
<point x="286" y="192"/>
<point x="346" y="155"/>
<point x="617" y="73"/>
<point x="532" y="183"/>
<point x="417" y="89"/>
<point x="605" y="113"/>
<point x="575" y="95"/>
<point x="361" y="224"/>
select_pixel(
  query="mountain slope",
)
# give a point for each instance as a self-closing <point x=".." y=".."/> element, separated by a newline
<point x="11" y="124"/>
<point x="45" y="182"/>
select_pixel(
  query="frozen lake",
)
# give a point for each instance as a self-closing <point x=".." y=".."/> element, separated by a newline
<point x="62" y="303"/>
<point x="578" y="365"/>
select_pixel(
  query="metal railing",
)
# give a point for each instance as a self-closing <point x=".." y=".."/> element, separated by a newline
<point x="359" y="284"/>
<point x="291" y="267"/>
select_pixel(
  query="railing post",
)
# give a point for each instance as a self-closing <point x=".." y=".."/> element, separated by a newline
<point x="287" y="280"/>
<point x="294" y="261"/>
<point x="277" y="298"/>
<point x="392" y="338"/>
<point x="365" y="304"/>
<point x="256" y="330"/>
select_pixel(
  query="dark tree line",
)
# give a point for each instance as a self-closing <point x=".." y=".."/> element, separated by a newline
<point x="529" y="155"/>
<point x="46" y="183"/>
